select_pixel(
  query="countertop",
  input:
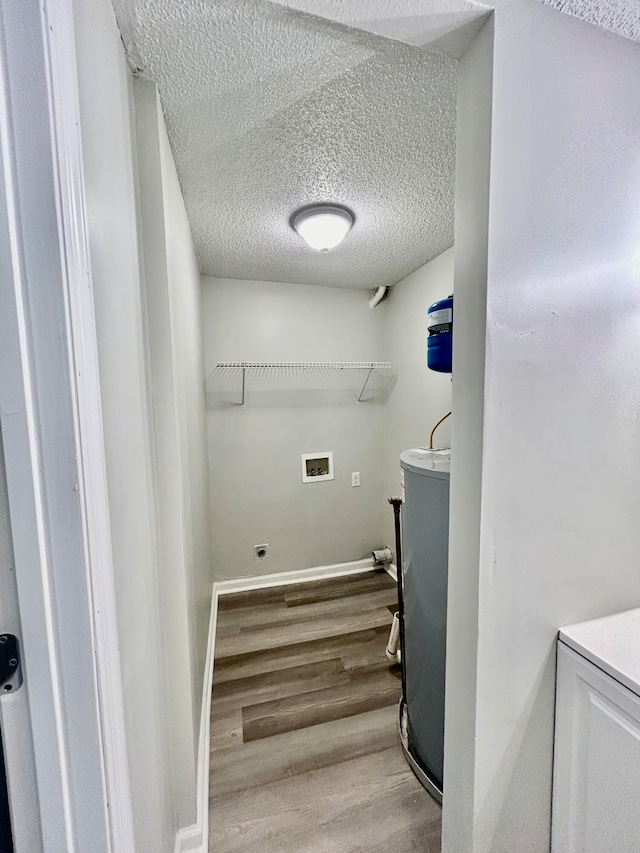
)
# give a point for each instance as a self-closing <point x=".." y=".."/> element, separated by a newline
<point x="611" y="643"/>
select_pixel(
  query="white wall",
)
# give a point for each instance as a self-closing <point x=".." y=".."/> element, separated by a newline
<point x="473" y="147"/>
<point x="420" y="397"/>
<point x="162" y="765"/>
<point x="560" y="540"/>
<point x="257" y="490"/>
<point x="105" y="93"/>
<point x="185" y="289"/>
<point x="174" y="332"/>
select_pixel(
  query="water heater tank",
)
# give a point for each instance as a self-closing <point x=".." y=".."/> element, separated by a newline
<point x="440" y="340"/>
<point x="425" y="557"/>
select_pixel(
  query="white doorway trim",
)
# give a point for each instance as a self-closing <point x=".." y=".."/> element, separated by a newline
<point x="51" y="417"/>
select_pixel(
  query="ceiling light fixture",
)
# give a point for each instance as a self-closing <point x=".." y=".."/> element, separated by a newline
<point x="323" y="226"/>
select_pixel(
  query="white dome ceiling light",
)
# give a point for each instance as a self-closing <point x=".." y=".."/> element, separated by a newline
<point x="323" y="226"/>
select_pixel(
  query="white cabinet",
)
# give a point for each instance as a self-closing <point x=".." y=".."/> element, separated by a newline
<point x="596" y="789"/>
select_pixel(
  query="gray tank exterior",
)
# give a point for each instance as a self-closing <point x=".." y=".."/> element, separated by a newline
<point x="425" y="535"/>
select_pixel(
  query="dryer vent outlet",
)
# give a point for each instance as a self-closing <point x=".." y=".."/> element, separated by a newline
<point x="261" y="552"/>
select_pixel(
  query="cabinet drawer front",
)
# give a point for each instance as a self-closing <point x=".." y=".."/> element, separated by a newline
<point x="596" y="786"/>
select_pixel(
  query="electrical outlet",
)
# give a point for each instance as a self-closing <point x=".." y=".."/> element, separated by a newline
<point x="355" y="478"/>
<point x="261" y="552"/>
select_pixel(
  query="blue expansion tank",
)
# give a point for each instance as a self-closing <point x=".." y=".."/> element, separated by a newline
<point x="440" y="340"/>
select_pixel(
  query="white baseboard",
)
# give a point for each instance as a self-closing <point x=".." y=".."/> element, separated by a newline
<point x="189" y="839"/>
<point x="300" y="576"/>
<point x="195" y="838"/>
<point x="392" y="571"/>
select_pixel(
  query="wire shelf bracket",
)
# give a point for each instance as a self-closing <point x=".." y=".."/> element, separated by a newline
<point x="244" y="366"/>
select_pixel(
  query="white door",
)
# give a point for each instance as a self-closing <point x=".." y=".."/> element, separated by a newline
<point x="53" y="454"/>
<point x="18" y="790"/>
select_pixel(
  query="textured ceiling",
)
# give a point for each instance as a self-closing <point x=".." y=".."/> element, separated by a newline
<point x="274" y="105"/>
<point x="619" y="16"/>
<point x="448" y="26"/>
<point x="269" y="109"/>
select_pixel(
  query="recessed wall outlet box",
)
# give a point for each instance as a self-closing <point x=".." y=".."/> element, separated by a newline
<point x="317" y="466"/>
<point x="355" y="478"/>
<point x="261" y="552"/>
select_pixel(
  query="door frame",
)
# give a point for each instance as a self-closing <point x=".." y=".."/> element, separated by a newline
<point x="51" y="417"/>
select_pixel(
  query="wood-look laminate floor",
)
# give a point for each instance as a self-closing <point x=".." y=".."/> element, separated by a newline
<point x="305" y="755"/>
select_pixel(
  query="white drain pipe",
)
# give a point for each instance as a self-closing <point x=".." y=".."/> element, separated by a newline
<point x="378" y="296"/>
<point x="383" y="556"/>
<point x="393" y="651"/>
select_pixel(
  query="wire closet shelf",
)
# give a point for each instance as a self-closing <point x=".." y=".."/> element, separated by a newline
<point x="247" y="366"/>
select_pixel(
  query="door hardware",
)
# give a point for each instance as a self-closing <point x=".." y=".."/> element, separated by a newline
<point x="10" y="666"/>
